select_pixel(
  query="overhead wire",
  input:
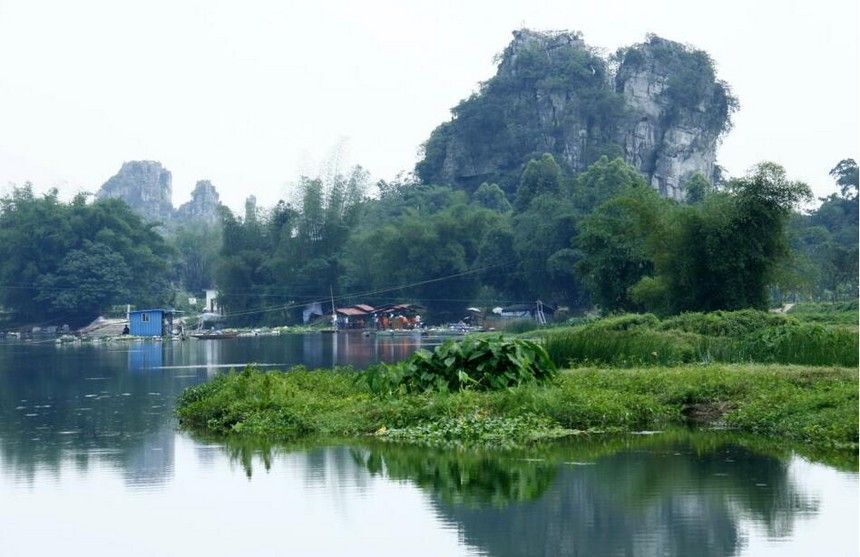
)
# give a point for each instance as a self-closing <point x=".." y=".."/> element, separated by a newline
<point x="369" y="292"/>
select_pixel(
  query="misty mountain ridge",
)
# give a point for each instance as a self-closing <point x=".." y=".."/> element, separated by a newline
<point x="657" y="104"/>
<point x="147" y="187"/>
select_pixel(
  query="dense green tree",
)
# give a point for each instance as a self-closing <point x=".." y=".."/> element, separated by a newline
<point x="542" y="242"/>
<point x="541" y="177"/>
<point x="241" y="274"/>
<point x="430" y="259"/>
<point x="197" y="245"/>
<point x="603" y="180"/>
<point x="274" y="261"/>
<point x="617" y="245"/>
<point x="724" y="252"/>
<point x="697" y="188"/>
<point x="824" y="243"/>
<point x="847" y="177"/>
<point x="496" y="254"/>
<point x="492" y="197"/>
<point x="70" y="261"/>
<point x="86" y="281"/>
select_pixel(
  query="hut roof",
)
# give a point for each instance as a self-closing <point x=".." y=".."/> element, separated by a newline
<point x="351" y="312"/>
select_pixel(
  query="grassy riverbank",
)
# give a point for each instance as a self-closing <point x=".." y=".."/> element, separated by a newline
<point x="730" y="337"/>
<point x="809" y="405"/>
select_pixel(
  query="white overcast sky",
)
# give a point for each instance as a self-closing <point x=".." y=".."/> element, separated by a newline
<point x="252" y="94"/>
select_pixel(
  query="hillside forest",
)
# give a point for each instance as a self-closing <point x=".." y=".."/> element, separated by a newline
<point x="516" y="199"/>
<point x="602" y="238"/>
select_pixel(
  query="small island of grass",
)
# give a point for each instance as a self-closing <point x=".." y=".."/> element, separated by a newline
<point x="508" y="392"/>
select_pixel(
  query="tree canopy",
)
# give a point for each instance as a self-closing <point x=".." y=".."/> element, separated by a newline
<point x="70" y="261"/>
<point x="603" y="237"/>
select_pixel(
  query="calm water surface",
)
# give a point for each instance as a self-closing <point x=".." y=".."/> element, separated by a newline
<point x="91" y="464"/>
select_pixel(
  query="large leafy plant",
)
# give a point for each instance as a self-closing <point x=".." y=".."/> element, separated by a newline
<point x="474" y="363"/>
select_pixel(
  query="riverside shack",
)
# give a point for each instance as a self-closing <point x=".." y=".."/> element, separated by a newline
<point x="150" y="322"/>
<point x="392" y="316"/>
<point x="354" y="317"/>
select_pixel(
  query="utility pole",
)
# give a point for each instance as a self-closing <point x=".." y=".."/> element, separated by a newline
<point x="333" y="312"/>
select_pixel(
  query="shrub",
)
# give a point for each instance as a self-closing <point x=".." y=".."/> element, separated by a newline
<point x="626" y="322"/>
<point x="725" y="323"/>
<point x="473" y="363"/>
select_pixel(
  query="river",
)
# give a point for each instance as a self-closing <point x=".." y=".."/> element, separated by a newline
<point x="91" y="464"/>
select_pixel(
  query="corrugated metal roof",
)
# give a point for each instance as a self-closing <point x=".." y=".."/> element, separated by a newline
<point x="349" y="312"/>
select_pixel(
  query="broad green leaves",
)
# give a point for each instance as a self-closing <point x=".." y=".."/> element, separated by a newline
<point x="473" y="363"/>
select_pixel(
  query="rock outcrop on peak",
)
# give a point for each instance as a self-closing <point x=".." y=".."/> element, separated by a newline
<point x="679" y="110"/>
<point x="146" y="186"/>
<point x="657" y="104"/>
<point x="204" y="205"/>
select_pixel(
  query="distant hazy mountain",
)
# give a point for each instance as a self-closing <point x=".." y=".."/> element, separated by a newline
<point x="147" y="187"/>
<point x="657" y="104"/>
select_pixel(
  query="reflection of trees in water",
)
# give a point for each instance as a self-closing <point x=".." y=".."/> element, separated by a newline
<point x="85" y="404"/>
<point x="680" y="494"/>
<point x="321" y="467"/>
<point x="676" y="493"/>
<point x="728" y="476"/>
<point x="121" y="422"/>
<point x="461" y="478"/>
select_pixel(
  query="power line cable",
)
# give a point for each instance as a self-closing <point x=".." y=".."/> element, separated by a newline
<point x="371" y="292"/>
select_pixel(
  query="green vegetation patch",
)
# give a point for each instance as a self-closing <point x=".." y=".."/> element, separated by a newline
<point x="845" y="313"/>
<point x="733" y="337"/>
<point x="813" y="406"/>
<point x="479" y="429"/>
<point x="479" y="363"/>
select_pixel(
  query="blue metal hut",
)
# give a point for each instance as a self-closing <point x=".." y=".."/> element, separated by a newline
<point x="150" y="322"/>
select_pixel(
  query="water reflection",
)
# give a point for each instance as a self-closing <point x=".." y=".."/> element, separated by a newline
<point x="114" y="403"/>
<point x="90" y="417"/>
<point x="472" y="479"/>
<point x="676" y="493"/>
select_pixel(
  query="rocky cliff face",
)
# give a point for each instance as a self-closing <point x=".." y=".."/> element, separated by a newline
<point x="147" y="187"/>
<point x="657" y="104"/>
<point x="679" y="110"/>
<point x="204" y="205"/>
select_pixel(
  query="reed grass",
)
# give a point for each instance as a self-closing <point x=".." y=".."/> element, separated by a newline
<point x="833" y="313"/>
<point x="731" y="337"/>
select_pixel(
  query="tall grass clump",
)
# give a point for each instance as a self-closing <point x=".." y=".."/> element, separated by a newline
<point x="790" y="343"/>
<point x="594" y="346"/>
<point x="725" y="323"/>
<point x="271" y="405"/>
<point x="473" y="363"/>
<point x="834" y="313"/>
<point x="732" y="337"/>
